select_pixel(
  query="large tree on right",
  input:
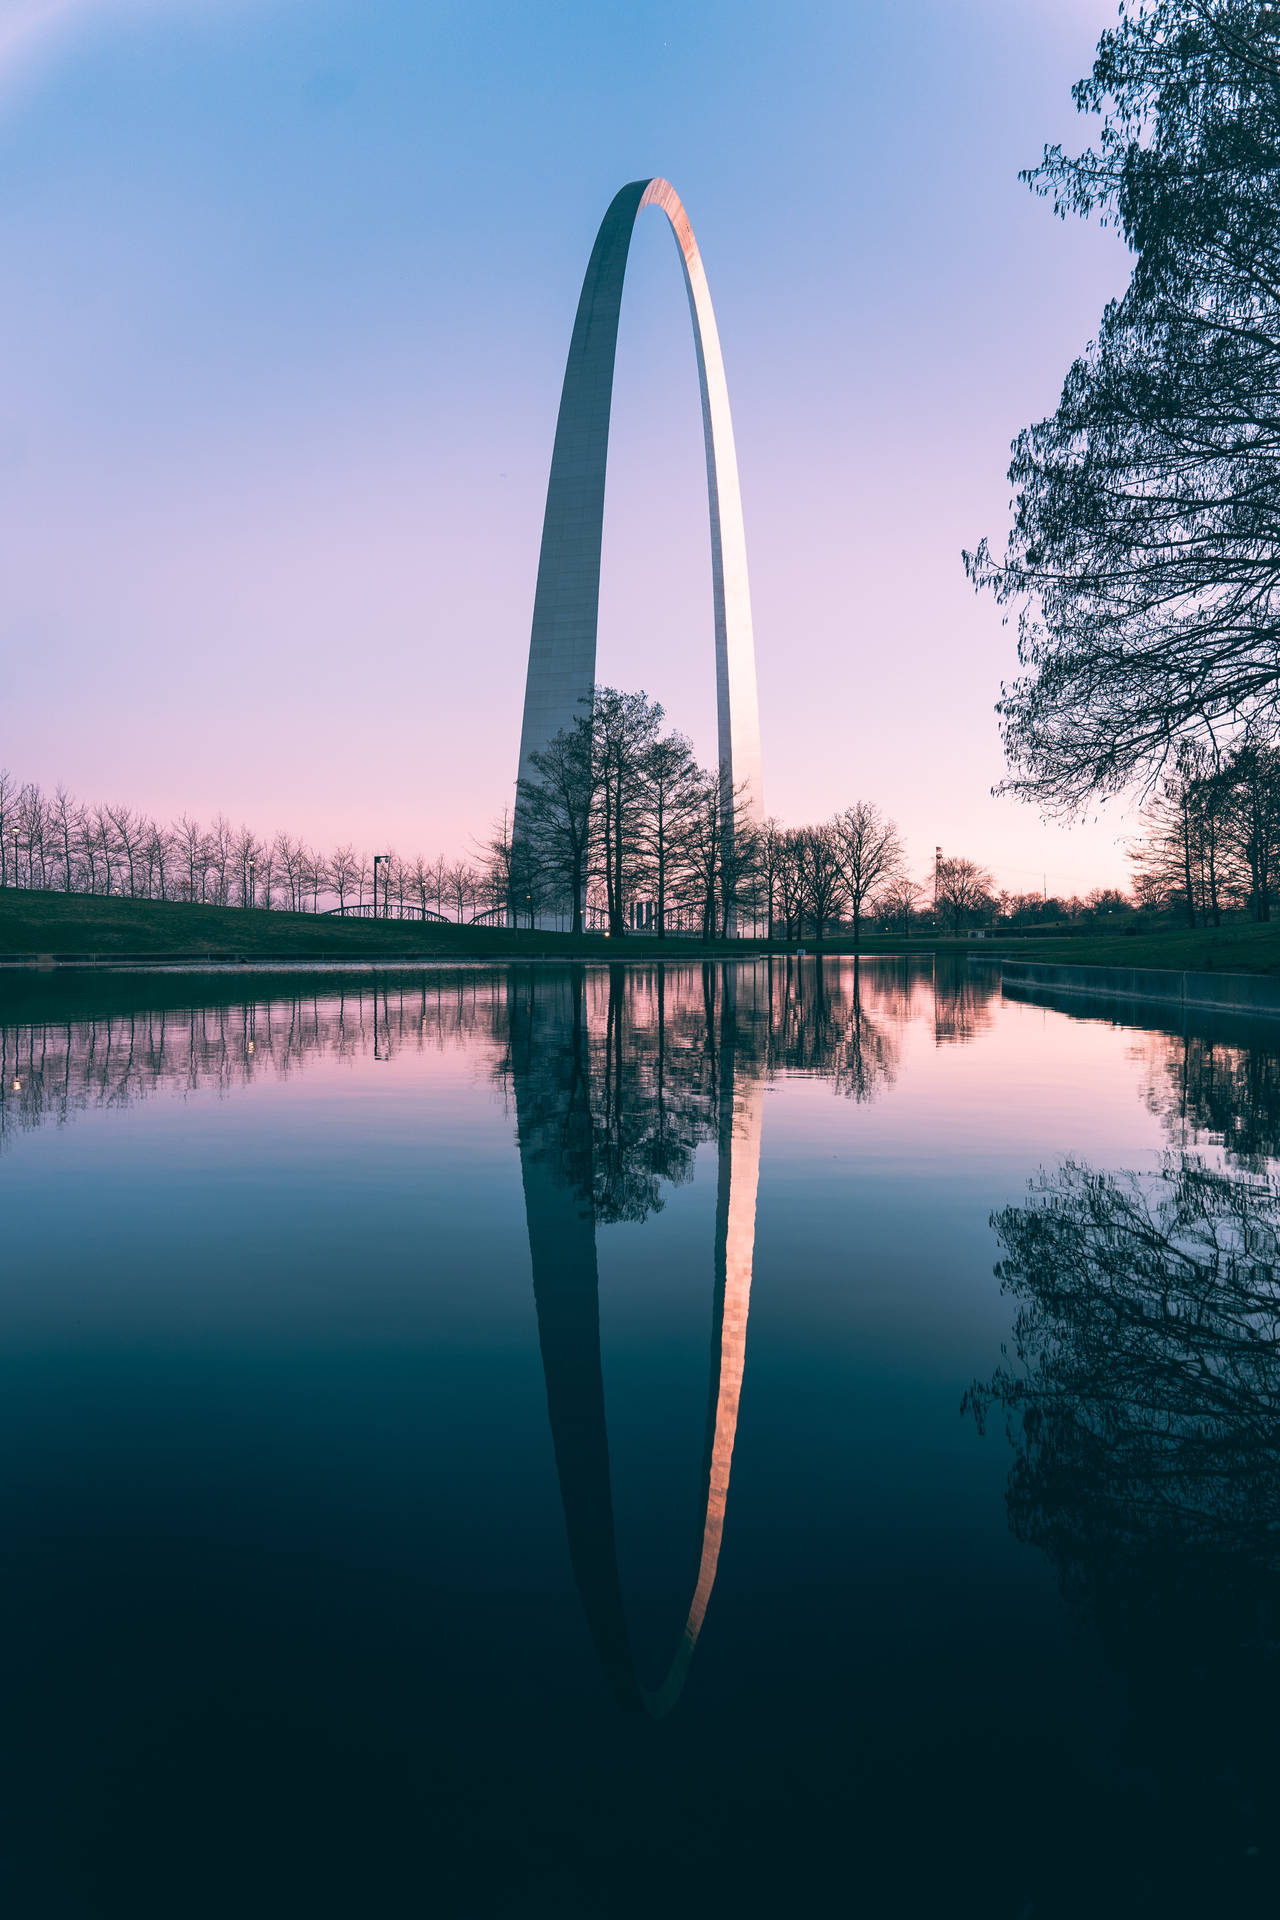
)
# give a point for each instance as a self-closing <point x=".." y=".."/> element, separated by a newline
<point x="1143" y="565"/>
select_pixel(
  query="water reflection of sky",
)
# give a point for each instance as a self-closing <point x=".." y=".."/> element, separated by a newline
<point x="392" y="1335"/>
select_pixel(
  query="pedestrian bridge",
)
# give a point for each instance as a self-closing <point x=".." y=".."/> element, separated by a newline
<point x="392" y="910"/>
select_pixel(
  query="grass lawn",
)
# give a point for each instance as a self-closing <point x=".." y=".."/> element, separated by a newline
<point x="77" y="926"/>
<point x="1241" y="947"/>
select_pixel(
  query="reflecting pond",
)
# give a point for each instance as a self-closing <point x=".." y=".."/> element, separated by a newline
<point x="789" y="1436"/>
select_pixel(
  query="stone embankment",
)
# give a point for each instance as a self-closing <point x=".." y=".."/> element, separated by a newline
<point x="1216" y="992"/>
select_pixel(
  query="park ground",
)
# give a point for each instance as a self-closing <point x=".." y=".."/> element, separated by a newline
<point x="80" y="927"/>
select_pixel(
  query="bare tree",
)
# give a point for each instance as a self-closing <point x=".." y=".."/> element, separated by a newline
<point x="220" y="841"/>
<point x="127" y="828"/>
<point x="623" y="728"/>
<point x="31" y="826"/>
<point x="87" y="850"/>
<point x="821" y="874"/>
<point x="105" y="835"/>
<point x="1183" y="855"/>
<point x="708" y="884"/>
<point x="159" y="851"/>
<point x="245" y="854"/>
<point x="343" y="872"/>
<point x="65" y="817"/>
<point x="898" y="899"/>
<point x="463" y="889"/>
<point x="870" y="854"/>
<point x="670" y="796"/>
<point x="266" y="875"/>
<point x="8" y="804"/>
<point x="557" y="820"/>
<point x="504" y="872"/>
<point x="791" y="881"/>
<point x="964" y="888"/>
<point x="318" y="877"/>
<point x="773" y="860"/>
<point x="194" y="854"/>
<point x="420" y="882"/>
<point x="289" y="861"/>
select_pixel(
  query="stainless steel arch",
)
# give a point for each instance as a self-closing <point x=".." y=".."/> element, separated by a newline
<point x="556" y="1135"/>
<point x="562" y="646"/>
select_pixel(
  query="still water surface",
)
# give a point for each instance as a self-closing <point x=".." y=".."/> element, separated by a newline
<point x="784" y="1437"/>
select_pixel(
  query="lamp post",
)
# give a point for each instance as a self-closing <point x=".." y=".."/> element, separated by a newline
<point x="377" y="860"/>
<point x="252" y="895"/>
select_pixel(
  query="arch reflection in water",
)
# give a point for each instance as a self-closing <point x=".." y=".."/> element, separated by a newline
<point x="559" y="1149"/>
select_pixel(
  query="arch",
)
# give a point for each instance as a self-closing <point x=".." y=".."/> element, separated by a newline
<point x="566" y="606"/>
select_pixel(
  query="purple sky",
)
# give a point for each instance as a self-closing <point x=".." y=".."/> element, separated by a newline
<point x="289" y="286"/>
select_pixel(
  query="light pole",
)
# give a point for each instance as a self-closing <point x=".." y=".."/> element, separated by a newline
<point x="377" y="859"/>
<point x="252" y="896"/>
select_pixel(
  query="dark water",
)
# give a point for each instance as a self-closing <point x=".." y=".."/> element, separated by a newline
<point x="776" y="1438"/>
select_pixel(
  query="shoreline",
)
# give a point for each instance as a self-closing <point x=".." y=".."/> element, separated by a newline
<point x="1184" y="988"/>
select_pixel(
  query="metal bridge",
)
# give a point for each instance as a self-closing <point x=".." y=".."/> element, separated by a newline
<point x="390" y="910"/>
<point x="640" y="918"/>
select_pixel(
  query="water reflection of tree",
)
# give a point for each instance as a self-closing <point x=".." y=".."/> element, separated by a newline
<point x="52" y="1070"/>
<point x="841" y="1022"/>
<point x="1204" y="1090"/>
<point x="618" y="1076"/>
<point x="964" y="1002"/>
<point x="1144" y="1412"/>
<point x="643" y="1041"/>
<point x="638" y="1050"/>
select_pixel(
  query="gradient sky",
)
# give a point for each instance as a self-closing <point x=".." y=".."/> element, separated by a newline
<point x="288" y="292"/>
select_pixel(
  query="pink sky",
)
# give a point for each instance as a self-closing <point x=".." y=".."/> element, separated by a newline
<point x="291" y="289"/>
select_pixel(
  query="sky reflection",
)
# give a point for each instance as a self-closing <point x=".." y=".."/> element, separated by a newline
<point x="423" y="1326"/>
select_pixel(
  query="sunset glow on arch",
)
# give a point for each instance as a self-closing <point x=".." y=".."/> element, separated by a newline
<point x="566" y="608"/>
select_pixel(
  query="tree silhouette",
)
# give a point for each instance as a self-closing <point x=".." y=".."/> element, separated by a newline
<point x="1142" y="559"/>
<point x="1143" y="1408"/>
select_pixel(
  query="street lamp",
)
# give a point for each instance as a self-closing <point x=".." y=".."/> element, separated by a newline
<point x="377" y="859"/>
<point x="252" y="896"/>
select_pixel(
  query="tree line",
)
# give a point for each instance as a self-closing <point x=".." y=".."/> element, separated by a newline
<point x="620" y="827"/>
<point x="57" y="843"/>
<point x="1211" y="837"/>
<point x="646" y="853"/>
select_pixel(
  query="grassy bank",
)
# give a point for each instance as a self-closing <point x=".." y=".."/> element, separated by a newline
<point x="78" y="926"/>
<point x="69" y="926"/>
<point x="1241" y="947"/>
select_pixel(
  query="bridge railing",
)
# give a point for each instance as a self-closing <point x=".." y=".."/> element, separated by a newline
<point x="392" y="910"/>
